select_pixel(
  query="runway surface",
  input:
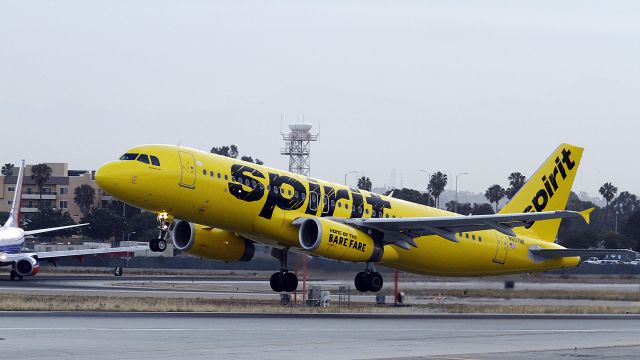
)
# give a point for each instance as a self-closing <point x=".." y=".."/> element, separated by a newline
<point x="320" y="336"/>
<point x="234" y="288"/>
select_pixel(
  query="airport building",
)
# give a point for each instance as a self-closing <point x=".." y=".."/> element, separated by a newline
<point x="57" y="193"/>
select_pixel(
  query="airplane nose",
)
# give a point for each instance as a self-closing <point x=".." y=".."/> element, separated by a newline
<point x="107" y="177"/>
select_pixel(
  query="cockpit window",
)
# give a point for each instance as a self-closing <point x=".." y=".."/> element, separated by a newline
<point x="143" y="158"/>
<point x="129" y="156"/>
<point x="155" y="161"/>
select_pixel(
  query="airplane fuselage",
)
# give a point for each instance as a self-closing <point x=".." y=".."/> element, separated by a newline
<point x="260" y="203"/>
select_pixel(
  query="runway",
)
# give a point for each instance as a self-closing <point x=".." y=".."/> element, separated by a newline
<point x="234" y="288"/>
<point x="315" y="336"/>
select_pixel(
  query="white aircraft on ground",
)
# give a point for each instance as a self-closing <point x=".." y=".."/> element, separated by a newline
<point x="26" y="263"/>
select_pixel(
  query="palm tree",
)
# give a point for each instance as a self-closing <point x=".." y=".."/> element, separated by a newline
<point x="516" y="181"/>
<point x="436" y="186"/>
<point x="608" y="192"/>
<point x="7" y="169"/>
<point x="40" y="174"/>
<point x="84" y="196"/>
<point x="494" y="194"/>
<point x="364" y="183"/>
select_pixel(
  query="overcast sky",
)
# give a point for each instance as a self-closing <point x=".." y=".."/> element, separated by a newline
<point x="484" y="87"/>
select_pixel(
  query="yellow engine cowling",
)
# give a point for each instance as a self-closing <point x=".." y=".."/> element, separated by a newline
<point x="342" y="242"/>
<point x="211" y="243"/>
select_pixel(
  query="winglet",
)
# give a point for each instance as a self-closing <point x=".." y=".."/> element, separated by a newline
<point x="585" y="214"/>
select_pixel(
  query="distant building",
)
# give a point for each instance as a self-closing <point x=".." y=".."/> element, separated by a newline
<point x="57" y="193"/>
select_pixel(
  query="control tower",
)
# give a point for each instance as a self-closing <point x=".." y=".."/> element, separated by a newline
<point x="298" y="147"/>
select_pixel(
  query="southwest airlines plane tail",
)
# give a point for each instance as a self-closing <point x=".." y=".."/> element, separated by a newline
<point x="548" y="189"/>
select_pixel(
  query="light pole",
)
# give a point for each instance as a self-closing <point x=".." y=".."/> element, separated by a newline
<point x="349" y="173"/>
<point x="455" y="206"/>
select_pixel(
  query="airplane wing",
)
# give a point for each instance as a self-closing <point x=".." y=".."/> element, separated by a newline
<point x="68" y="253"/>
<point x="559" y="253"/>
<point x="402" y="231"/>
<point x="39" y="231"/>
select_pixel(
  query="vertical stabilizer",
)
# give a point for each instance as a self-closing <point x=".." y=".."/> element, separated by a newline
<point x="14" y="215"/>
<point x="548" y="189"/>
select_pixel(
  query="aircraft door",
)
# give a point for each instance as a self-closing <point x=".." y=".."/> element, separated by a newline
<point x="502" y="247"/>
<point x="187" y="170"/>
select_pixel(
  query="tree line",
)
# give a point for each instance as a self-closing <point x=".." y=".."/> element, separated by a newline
<point x="616" y="225"/>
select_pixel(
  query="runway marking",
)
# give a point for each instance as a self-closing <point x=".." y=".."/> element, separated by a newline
<point x="320" y="330"/>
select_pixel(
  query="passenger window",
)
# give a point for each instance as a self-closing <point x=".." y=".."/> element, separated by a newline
<point x="143" y="158"/>
<point x="247" y="182"/>
<point x="366" y="211"/>
<point x="204" y="172"/>
<point x="211" y="173"/>
<point x="226" y="177"/>
<point x="253" y="184"/>
<point x="129" y="156"/>
<point x="473" y="237"/>
<point x="233" y="178"/>
<point x="303" y="196"/>
<point x="289" y="192"/>
<point x="219" y="175"/>
<point x="155" y="161"/>
<point x="275" y="189"/>
<point x="467" y="235"/>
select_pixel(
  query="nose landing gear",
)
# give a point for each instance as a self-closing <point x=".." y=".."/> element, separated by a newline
<point x="160" y="244"/>
<point x="283" y="280"/>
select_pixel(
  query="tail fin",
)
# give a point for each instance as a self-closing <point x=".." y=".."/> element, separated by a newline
<point x="13" y="220"/>
<point x="548" y="189"/>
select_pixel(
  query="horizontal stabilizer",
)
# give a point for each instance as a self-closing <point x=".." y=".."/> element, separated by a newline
<point x="560" y="253"/>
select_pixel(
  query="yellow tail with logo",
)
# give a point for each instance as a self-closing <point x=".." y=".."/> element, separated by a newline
<point x="548" y="189"/>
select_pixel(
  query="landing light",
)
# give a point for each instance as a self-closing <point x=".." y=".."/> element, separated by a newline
<point x="3" y="257"/>
<point x="162" y="216"/>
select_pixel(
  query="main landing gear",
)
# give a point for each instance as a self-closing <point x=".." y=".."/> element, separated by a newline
<point x="14" y="275"/>
<point x="368" y="280"/>
<point x="283" y="280"/>
<point x="160" y="244"/>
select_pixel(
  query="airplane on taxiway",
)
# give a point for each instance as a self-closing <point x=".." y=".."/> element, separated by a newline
<point x="218" y="207"/>
<point x="27" y="263"/>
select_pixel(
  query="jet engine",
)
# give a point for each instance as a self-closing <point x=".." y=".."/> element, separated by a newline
<point x="27" y="266"/>
<point x="338" y="241"/>
<point x="211" y="243"/>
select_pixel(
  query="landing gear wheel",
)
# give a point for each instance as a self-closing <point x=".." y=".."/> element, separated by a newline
<point x="153" y="245"/>
<point x="13" y="275"/>
<point x="374" y="281"/>
<point x="290" y="281"/>
<point x="360" y="282"/>
<point x="276" y="282"/>
<point x="162" y="245"/>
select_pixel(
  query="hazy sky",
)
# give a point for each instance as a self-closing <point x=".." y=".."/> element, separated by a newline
<point x="486" y="87"/>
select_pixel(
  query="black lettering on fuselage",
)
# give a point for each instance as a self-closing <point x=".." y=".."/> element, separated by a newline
<point x="377" y="205"/>
<point x="283" y="199"/>
<point x="357" y="203"/>
<point x="239" y="191"/>
<point x="331" y="197"/>
<point x="292" y="196"/>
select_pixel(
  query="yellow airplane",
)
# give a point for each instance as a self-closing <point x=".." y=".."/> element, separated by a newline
<point x="224" y="205"/>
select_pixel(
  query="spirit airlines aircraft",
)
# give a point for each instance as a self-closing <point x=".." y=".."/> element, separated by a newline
<point x="12" y="241"/>
<point x="224" y="205"/>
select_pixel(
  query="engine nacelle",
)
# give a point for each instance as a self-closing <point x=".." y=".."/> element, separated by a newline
<point x="27" y="266"/>
<point x="211" y="243"/>
<point x="338" y="241"/>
